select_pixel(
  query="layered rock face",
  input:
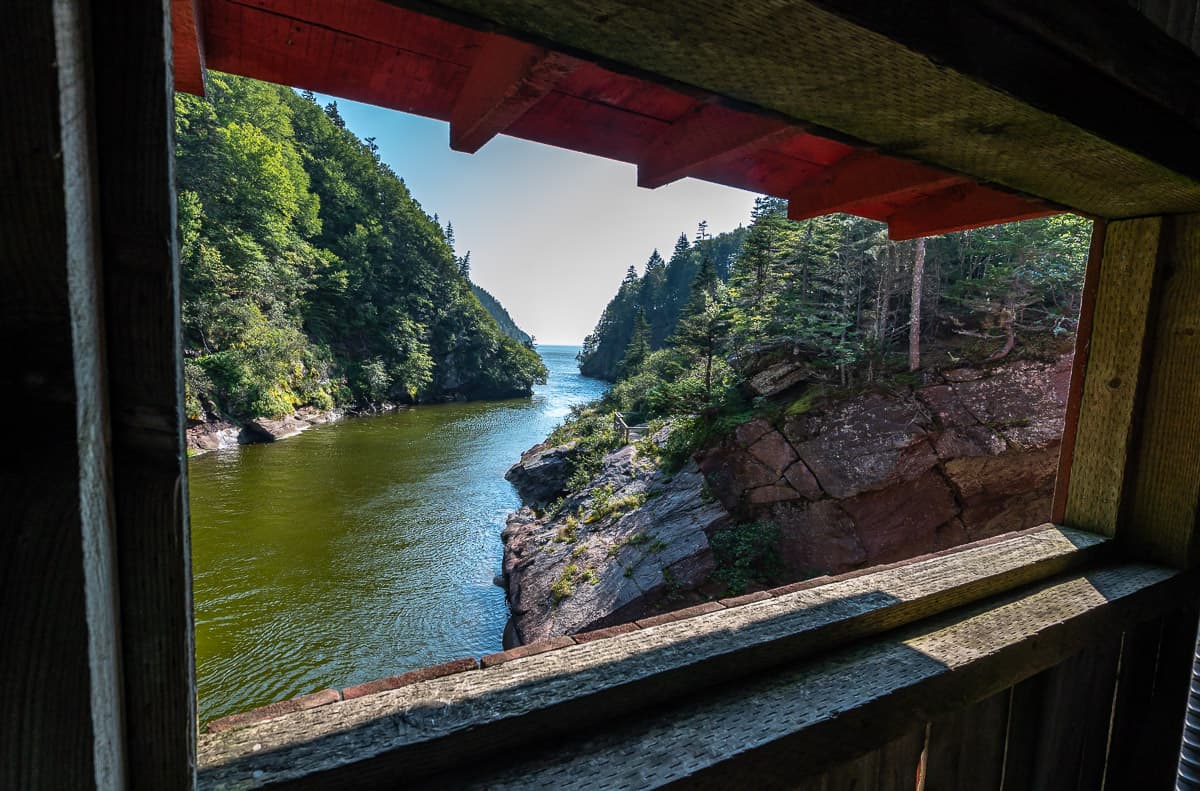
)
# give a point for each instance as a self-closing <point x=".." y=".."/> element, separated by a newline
<point x="882" y="477"/>
<point x="873" y="478"/>
<point x="612" y="552"/>
<point x="540" y="477"/>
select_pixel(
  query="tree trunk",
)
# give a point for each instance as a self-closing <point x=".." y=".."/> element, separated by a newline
<point x="914" y="324"/>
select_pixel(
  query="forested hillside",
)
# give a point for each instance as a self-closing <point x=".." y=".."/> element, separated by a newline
<point x="823" y="306"/>
<point x="500" y="314"/>
<point x="311" y="276"/>
<point x="649" y="306"/>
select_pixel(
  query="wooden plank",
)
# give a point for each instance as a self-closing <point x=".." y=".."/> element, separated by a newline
<point x="1165" y="497"/>
<point x="1112" y="387"/>
<point x="60" y="705"/>
<point x="892" y="767"/>
<point x="864" y="177"/>
<point x="966" y="747"/>
<point x="1059" y="724"/>
<point x="520" y="700"/>
<point x="706" y="134"/>
<point x="1020" y="745"/>
<point x="1151" y="694"/>
<point x="1141" y="102"/>
<point x="507" y="78"/>
<point x="1072" y="718"/>
<point x="820" y="712"/>
<point x="962" y="207"/>
<point x="981" y="117"/>
<point x="1083" y="345"/>
<point x="187" y="49"/>
<point x="135" y="143"/>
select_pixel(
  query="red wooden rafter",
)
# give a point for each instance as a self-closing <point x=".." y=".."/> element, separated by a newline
<point x="704" y="135"/>
<point x="188" y="52"/>
<point x="866" y="184"/>
<point x="486" y="84"/>
<point x="962" y="207"/>
<point x="507" y="78"/>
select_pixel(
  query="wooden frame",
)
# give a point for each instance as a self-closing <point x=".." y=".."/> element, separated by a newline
<point x="98" y="689"/>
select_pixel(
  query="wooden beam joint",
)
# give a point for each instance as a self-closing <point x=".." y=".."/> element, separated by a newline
<point x="864" y="178"/>
<point x="187" y="45"/>
<point x="506" y="80"/>
<point x="962" y="207"/>
<point x="704" y="135"/>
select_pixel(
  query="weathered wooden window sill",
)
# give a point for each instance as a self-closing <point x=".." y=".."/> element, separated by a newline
<point x="698" y="696"/>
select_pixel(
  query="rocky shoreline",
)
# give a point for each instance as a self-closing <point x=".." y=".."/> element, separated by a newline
<point x="219" y="433"/>
<point x="847" y="483"/>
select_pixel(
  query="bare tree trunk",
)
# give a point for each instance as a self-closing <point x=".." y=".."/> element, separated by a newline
<point x="1008" y="319"/>
<point x="914" y="324"/>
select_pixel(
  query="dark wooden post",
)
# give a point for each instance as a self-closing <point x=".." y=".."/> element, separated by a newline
<point x="96" y="679"/>
<point x="60" y="668"/>
<point x="135" y="141"/>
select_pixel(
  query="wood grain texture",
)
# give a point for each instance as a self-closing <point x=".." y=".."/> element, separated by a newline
<point x="1155" y="668"/>
<point x="135" y="141"/>
<point x="864" y="177"/>
<point x="827" y="710"/>
<point x="1036" y="129"/>
<point x="524" y="700"/>
<point x="1113" y="387"/>
<point x="960" y="208"/>
<point x="966" y="747"/>
<point x="60" y="719"/>
<point x="892" y="767"/>
<point x="1058" y="732"/>
<point x="702" y="136"/>
<point x="1165" y="497"/>
<point x="1083" y="345"/>
<point x="507" y="78"/>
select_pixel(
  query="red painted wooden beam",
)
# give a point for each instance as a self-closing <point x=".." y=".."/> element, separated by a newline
<point x="507" y="79"/>
<point x="866" y="178"/>
<point x="707" y="134"/>
<point x="188" y="52"/>
<point x="963" y="207"/>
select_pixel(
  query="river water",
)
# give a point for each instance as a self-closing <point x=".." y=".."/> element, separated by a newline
<point x="360" y="549"/>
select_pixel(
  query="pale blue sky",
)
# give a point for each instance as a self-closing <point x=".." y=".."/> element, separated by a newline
<point x="551" y="232"/>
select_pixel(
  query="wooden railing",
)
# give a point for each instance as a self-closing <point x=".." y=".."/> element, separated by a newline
<point x="627" y="432"/>
<point x="995" y="665"/>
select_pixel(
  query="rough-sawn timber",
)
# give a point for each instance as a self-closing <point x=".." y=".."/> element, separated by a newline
<point x="429" y="726"/>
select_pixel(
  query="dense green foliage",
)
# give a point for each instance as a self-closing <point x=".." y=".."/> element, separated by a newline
<point x="500" y="315"/>
<point x="310" y="274"/>
<point x="745" y="555"/>
<point x="659" y="296"/>
<point x="831" y="295"/>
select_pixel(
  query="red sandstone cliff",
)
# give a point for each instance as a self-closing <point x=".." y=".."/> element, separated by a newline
<point x="851" y="482"/>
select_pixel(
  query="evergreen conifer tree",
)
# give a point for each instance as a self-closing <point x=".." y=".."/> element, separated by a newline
<point x="639" y="347"/>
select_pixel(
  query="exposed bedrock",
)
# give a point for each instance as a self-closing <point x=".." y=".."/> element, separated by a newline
<point x="871" y="478"/>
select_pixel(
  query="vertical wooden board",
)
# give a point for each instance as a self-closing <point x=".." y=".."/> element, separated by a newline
<point x="893" y="767"/>
<point x="1115" y="371"/>
<point x="1059" y="723"/>
<point x="1162" y="515"/>
<point x="60" y="712"/>
<point x="1151" y="696"/>
<point x="966" y="748"/>
<point x="135" y="146"/>
<point x="1083" y="343"/>
<point x="1024" y="728"/>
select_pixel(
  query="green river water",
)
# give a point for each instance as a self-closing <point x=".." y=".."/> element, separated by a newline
<point x="359" y="549"/>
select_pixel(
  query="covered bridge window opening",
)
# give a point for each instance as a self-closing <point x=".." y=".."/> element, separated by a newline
<point x="1132" y="470"/>
<point x="844" y="458"/>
